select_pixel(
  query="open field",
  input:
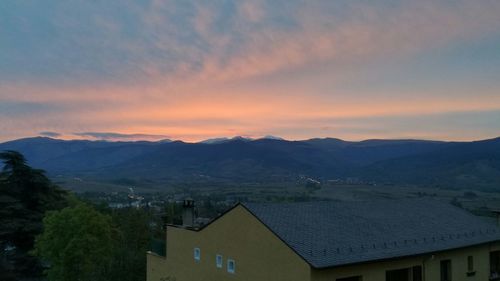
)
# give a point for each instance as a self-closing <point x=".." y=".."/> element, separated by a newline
<point x="468" y="199"/>
<point x="226" y="193"/>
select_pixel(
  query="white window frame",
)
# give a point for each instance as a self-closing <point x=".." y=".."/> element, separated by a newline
<point x="219" y="261"/>
<point x="197" y="254"/>
<point x="229" y="269"/>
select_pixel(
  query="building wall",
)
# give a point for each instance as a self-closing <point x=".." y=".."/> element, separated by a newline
<point x="156" y="267"/>
<point x="257" y="252"/>
<point x="260" y="255"/>
<point x="430" y="265"/>
<point x="369" y="272"/>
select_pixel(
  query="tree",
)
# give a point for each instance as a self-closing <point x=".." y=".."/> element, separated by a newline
<point x="25" y="195"/>
<point x="129" y="258"/>
<point x="30" y="185"/>
<point x="77" y="243"/>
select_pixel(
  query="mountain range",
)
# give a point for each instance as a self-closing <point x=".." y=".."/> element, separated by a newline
<point x="470" y="165"/>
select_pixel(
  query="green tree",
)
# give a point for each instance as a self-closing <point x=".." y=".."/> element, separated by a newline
<point x="25" y="195"/>
<point x="129" y="258"/>
<point x="78" y="244"/>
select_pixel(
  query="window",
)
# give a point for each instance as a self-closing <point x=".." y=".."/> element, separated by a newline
<point x="231" y="266"/>
<point x="197" y="254"/>
<point x="417" y="273"/>
<point x="470" y="263"/>
<point x="404" y="274"/>
<point x="398" y="275"/>
<point x="446" y="270"/>
<point x="495" y="264"/>
<point x="218" y="261"/>
<point x="353" y="278"/>
<point x="470" y="266"/>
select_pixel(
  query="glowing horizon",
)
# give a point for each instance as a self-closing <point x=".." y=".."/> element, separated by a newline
<point x="195" y="70"/>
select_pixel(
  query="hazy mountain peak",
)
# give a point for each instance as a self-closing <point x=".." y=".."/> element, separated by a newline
<point x="242" y="138"/>
<point x="215" y="140"/>
<point x="271" y="137"/>
<point x="226" y="139"/>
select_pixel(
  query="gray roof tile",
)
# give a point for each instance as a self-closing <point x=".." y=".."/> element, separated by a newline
<point x="331" y="233"/>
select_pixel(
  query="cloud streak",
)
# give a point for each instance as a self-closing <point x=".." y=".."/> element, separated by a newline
<point x="111" y="136"/>
<point x="50" y="134"/>
<point x="170" y="40"/>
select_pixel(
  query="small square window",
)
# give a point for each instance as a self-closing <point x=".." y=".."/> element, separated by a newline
<point x="197" y="254"/>
<point x="231" y="266"/>
<point x="218" y="261"/>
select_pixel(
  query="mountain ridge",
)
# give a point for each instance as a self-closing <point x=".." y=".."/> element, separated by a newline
<point x="449" y="164"/>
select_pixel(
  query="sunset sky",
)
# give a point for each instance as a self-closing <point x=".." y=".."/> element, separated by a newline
<point x="193" y="70"/>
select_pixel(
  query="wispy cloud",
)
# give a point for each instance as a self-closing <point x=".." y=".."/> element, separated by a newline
<point x="169" y="39"/>
<point x="313" y="35"/>
<point x="111" y="136"/>
<point x="50" y="134"/>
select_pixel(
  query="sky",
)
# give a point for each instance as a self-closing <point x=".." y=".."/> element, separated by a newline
<point x="194" y="70"/>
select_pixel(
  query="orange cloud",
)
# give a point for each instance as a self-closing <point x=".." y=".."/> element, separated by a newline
<point x="213" y="112"/>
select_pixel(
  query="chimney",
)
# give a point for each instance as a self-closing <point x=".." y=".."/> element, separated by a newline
<point x="188" y="212"/>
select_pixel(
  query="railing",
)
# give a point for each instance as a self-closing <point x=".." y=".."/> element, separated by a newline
<point x="494" y="276"/>
<point x="159" y="247"/>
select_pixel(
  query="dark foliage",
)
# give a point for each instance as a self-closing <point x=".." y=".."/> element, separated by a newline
<point x="132" y="241"/>
<point x="25" y="195"/>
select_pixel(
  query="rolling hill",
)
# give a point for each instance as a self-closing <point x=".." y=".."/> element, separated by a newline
<point x="413" y="162"/>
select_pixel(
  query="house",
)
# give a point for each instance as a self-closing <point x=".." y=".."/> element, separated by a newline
<point x="392" y="240"/>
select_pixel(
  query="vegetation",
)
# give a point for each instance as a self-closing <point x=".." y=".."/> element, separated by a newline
<point x="78" y="244"/>
<point x="41" y="224"/>
<point x="25" y="195"/>
<point x="132" y="241"/>
<point x="95" y="245"/>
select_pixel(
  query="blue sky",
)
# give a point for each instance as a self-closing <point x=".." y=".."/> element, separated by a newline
<point x="193" y="70"/>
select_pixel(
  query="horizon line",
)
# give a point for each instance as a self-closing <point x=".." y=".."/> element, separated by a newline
<point x="217" y="140"/>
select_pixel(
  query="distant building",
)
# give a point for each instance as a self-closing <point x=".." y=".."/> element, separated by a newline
<point x="392" y="240"/>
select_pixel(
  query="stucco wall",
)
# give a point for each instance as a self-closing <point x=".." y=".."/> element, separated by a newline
<point x="258" y="253"/>
<point x="370" y="272"/>
<point x="156" y="267"/>
<point x="430" y="265"/>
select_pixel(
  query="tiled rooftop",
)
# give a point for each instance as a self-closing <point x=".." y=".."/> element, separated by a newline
<point x="332" y="233"/>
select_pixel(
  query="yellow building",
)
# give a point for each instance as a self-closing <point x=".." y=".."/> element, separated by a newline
<point x="393" y="240"/>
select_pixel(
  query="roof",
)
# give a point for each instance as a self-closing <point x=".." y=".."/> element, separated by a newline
<point x="329" y="234"/>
